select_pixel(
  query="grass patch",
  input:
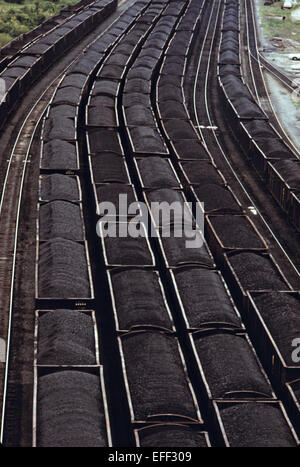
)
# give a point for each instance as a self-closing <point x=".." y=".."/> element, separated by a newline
<point x="277" y="27"/>
<point x="19" y="17"/>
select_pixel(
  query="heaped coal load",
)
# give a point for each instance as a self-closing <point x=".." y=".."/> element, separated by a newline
<point x="66" y="337"/>
<point x="60" y="219"/>
<point x="58" y="186"/>
<point x="109" y="167"/>
<point x="70" y="411"/>
<point x="128" y="251"/>
<point x="172" y="436"/>
<point x="254" y="424"/>
<point x="236" y="232"/>
<point x="63" y="270"/>
<point x="257" y="272"/>
<point x="204" y="298"/>
<point x="184" y="246"/>
<point x="280" y="312"/>
<point x="157" y="381"/>
<point x="59" y="155"/>
<point x="139" y="300"/>
<point x="157" y="172"/>
<point x="230" y="366"/>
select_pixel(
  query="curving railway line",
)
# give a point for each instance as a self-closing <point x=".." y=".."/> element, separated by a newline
<point x="139" y="340"/>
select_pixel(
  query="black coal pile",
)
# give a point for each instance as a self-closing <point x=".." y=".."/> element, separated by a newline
<point x="102" y="116"/>
<point x="281" y="313"/>
<point x="58" y="186"/>
<point x="204" y="298"/>
<point x="179" y="129"/>
<point x="172" y="109"/>
<point x="156" y="377"/>
<point x="247" y="108"/>
<point x="68" y="94"/>
<point x="229" y="364"/>
<point x="109" y="167"/>
<point x="172" y="436"/>
<point x="259" y="129"/>
<point x="289" y="171"/>
<point x="103" y="139"/>
<point x="274" y="148"/>
<point x="184" y="245"/>
<point x="63" y="270"/>
<point x="139" y="300"/>
<point x="225" y="70"/>
<point x="138" y="115"/>
<point x="201" y="172"/>
<point x="216" y="198"/>
<point x="193" y="150"/>
<point x="60" y="155"/>
<point x="271" y="429"/>
<point x="256" y="272"/>
<point x="66" y="337"/>
<point x="76" y="80"/>
<point x="146" y="140"/>
<point x="57" y="111"/>
<point x="162" y="207"/>
<point x="140" y="85"/>
<point x="70" y="411"/>
<point x="157" y="172"/>
<point x="111" y="192"/>
<point x="236" y="232"/>
<point x="106" y="87"/>
<point x="127" y="251"/>
<point x="60" y="219"/>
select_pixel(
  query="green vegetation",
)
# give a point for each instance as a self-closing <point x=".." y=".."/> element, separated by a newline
<point x="21" y="16"/>
<point x="278" y="27"/>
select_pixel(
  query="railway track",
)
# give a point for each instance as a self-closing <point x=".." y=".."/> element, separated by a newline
<point x="149" y="323"/>
<point x="257" y="63"/>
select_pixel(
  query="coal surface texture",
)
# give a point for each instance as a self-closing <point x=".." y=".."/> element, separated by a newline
<point x="66" y="337"/>
<point x="70" y="410"/>
<point x="156" y="376"/>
